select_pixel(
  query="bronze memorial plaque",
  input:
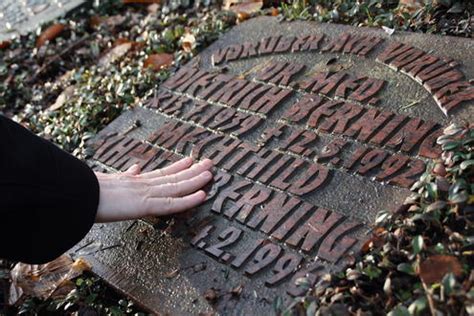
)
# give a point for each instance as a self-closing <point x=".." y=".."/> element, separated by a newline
<point x="313" y="128"/>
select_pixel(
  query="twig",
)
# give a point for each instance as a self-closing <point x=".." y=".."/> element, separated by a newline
<point x="410" y="105"/>
<point x="86" y="245"/>
<point x="429" y="298"/>
<point x="111" y="247"/>
<point x="136" y="124"/>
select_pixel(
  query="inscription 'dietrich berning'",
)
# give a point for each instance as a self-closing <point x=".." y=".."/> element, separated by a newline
<point x="332" y="130"/>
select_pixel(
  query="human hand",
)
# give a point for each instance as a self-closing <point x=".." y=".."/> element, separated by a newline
<point x="173" y="189"/>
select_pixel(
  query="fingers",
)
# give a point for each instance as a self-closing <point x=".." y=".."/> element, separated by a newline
<point x="170" y="205"/>
<point x="173" y="189"/>
<point x="133" y="170"/>
<point x="172" y="169"/>
<point x="189" y="173"/>
<point x="183" y="187"/>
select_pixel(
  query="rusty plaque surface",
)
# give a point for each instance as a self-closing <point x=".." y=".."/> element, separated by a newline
<point x="313" y="129"/>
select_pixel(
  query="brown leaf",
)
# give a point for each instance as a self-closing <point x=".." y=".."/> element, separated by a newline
<point x="274" y="12"/>
<point x="247" y="7"/>
<point x="120" y="41"/>
<point x="210" y="295"/>
<point x="4" y="44"/>
<point x="433" y="269"/>
<point x="199" y="267"/>
<point x="95" y="21"/>
<point x="379" y="231"/>
<point x="436" y="206"/>
<point x="43" y="280"/>
<point x="114" y="54"/>
<point x="49" y="34"/>
<point x="188" y="42"/>
<point x="237" y="290"/>
<point x="153" y="8"/>
<point x="439" y="170"/>
<point x="242" y="16"/>
<point x="158" y="61"/>
<point x="227" y="3"/>
<point x="141" y="1"/>
<point x="172" y="274"/>
<point x="411" y="6"/>
<point x="62" y="98"/>
<point x="374" y="242"/>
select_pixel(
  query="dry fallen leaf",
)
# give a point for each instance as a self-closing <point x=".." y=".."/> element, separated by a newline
<point x="188" y="42"/>
<point x="45" y="280"/>
<point x="411" y="6"/>
<point x="210" y="295"/>
<point x="115" y="53"/>
<point x="373" y="242"/>
<point x="244" y="7"/>
<point x="62" y="98"/>
<point x="49" y="34"/>
<point x="4" y="44"/>
<point x="236" y="291"/>
<point x="228" y="4"/>
<point x="172" y="274"/>
<point x="158" y="61"/>
<point x="153" y="8"/>
<point x="141" y="1"/>
<point x="439" y="170"/>
<point x="95" y="21"/>
<point x="120" y="41"/>
<point x="433" y="269"/>
<point x="242" y="16"/>
<point x="388" y="30"/>
<point x="274" y="12"/>
<point x="115" y="20"/>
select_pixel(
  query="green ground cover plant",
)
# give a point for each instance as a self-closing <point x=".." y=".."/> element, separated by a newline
<point x="68" y="98"/>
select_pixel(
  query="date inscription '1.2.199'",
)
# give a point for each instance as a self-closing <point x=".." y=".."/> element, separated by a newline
<point x="305" y="153"/>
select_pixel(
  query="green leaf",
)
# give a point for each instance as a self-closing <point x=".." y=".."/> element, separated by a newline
<point x="68" y="306"/>
<point x="432" y="190"/>
<point x="438" y="205"/>
<point x="406" y="268"/>
<point x="400" y="310"/>
<point x="459" y="185"/>
<point x="303" y="282"/>
<point x="372" y="272"/>
<point x="449" y="146"/>
<point x="460" y="197"/>
<point x="417" y="244"/>
<point x="90" y="299"/>
<point x="457" y="8"/>
<point x="79" y="281"/>
<point x="466" y="164"/>
<point x="382" y="216"/>
<point x="277" y="304"/>
<point x="311" y="310"/>
<point x="449" y="283"/>
<point x="418" y="306"/>
<point x="439" y="248"/>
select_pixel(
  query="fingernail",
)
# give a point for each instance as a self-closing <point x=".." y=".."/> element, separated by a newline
<point x="208" y="161"/>
<point x="203" y="194"/>
<point x="207" y="174"/>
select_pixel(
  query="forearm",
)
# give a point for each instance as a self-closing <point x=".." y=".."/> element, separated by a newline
<point x="48" y="199"/>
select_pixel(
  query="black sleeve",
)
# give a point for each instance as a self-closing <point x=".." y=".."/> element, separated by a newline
<point x="48" y="198"/>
